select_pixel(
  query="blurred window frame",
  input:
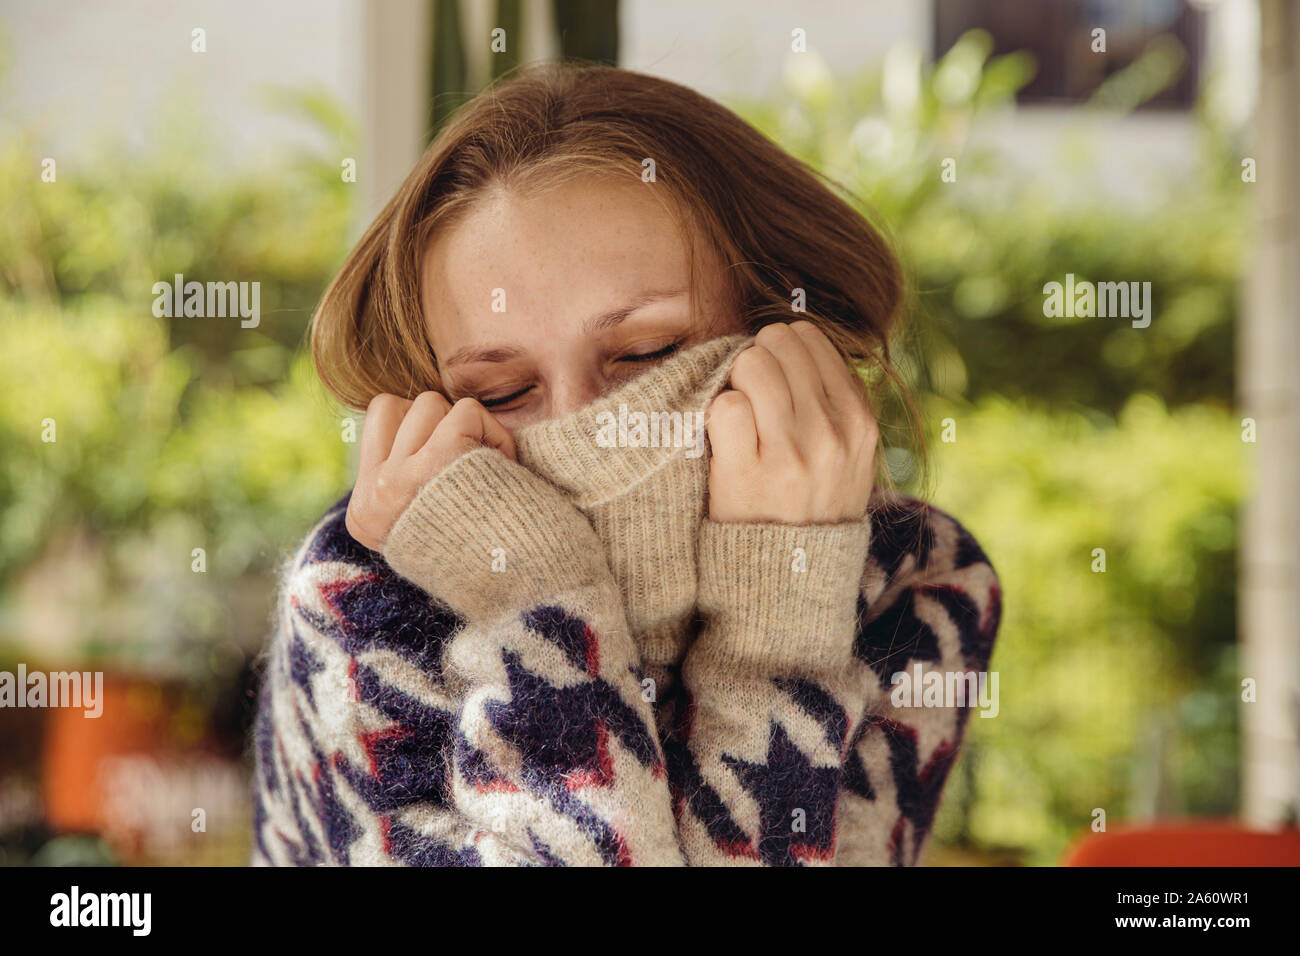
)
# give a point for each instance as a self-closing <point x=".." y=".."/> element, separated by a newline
<point x="1059" y="35"/>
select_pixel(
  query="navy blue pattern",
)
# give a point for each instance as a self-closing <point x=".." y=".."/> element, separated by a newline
<point x="408" y="753"/>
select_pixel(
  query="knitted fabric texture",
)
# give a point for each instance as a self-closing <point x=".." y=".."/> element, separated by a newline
<point x="563" y="661"/>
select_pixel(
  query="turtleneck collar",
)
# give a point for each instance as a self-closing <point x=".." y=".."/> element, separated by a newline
<point x="574" y="453"/>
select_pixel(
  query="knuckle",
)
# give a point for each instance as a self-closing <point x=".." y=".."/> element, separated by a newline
<point x="728" y="401"/>
<point x="750" y="360"/>
<point x="428" y="398"/>
<point x="774" y="330"/>
<point x="463" y="410"/>
<point x="381" y="401"/>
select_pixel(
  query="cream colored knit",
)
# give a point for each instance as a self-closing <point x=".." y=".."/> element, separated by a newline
<point x="647" y="507"/>
<point x="646" y="504"/>
<point x="624" y="680"/>
<point x="776" y="602"/>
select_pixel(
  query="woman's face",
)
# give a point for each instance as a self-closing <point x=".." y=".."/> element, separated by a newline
<point x="537" y="304"/>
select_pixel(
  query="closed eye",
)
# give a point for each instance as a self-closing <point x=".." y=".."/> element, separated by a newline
<point x="504" y="399"/>
<point x="667" y="350"/>
<point x="651" y="356"/>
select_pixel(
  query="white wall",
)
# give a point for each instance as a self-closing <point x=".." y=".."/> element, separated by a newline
<point x="724" y="49"/>
<point x="82" y="67"/>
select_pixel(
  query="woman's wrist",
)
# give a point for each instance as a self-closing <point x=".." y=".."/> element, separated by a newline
<point x="486" y="536"/>
<point x="780" y="597"/>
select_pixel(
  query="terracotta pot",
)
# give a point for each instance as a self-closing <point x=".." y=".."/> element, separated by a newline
<point x="133" y="721"/>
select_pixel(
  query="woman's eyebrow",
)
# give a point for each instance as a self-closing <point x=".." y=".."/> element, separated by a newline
<point x="483" y="353"/>
<point x="597" y="323"/>
<point x="600" y="323"/>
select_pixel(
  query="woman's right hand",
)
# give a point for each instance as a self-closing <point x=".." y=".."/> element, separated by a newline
<point x="406" y="442"/>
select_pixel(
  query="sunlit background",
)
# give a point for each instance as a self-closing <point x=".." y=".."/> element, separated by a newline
<point x="998" y="147"/>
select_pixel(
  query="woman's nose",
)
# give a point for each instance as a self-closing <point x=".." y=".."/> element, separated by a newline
<point x="574" y="392"/>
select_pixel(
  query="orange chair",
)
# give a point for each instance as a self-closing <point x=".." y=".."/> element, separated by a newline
<point x="1186" y="843"/>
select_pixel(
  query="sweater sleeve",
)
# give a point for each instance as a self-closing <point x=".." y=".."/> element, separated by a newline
<point x="483" y="705"/>
<point x="787" y="748"/>
<point x="555" y="750"/>
<point x="757" y="742"/>
<point x="353" y="721"/>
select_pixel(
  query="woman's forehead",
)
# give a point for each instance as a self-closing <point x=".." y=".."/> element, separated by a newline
<point x="576" y="247"/>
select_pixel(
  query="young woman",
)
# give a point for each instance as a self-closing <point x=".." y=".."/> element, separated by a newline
<point x="551" y="624"/>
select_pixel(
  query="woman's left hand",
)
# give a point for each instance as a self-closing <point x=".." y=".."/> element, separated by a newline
<point x="793" y="439"/>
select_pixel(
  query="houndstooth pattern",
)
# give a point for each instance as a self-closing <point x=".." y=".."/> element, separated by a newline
<point x="392" y="732"/>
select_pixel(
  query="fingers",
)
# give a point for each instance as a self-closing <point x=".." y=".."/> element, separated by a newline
<point x="491" y="432"/>
<point x="757" y="373"/>
<point x="733" y="434"/>
<point x="807" y="393"/>
<point x="475" y="427"/>
<point x="842" y="387"/>
<point x="383" y="418"/>
<point x="422" y="417"/>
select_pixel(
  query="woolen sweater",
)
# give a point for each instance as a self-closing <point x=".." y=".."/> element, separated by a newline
<point x="564" y="661"/>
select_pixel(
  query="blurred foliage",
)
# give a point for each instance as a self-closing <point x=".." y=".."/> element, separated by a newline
<point x="171" y="434"/>
<point x="183" y="433"/>
<point x="980" y="249"/>
<point x="77" y="850"/>
<point x="1119" y="689"/>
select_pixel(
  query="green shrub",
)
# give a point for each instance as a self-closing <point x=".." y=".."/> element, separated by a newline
<point x="1104" y="677"/>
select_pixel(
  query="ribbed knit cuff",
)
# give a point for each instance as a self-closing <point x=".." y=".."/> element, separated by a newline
<point x="780" y="598"/>
<point x="488" y="537"/>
